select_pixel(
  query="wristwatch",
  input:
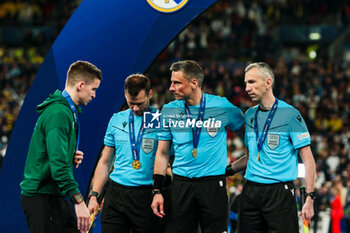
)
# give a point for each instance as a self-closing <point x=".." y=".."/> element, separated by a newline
<point x="93" y="194"/>
<point x="312" y="195"/>
<point x="77" y="198"/>
<point x="156" y="191"/>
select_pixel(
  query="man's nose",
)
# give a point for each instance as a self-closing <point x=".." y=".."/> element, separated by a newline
<point x="247" y="88"/>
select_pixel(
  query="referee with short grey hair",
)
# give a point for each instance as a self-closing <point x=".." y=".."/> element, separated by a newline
<point x="275" y="134"/>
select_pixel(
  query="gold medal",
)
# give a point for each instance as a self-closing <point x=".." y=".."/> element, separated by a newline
<point x="194" y="152"/>
<point x="136" y="164"/>
<point x="258" y="156"/>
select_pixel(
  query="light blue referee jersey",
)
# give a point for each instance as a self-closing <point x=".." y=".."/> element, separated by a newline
<point x="212" y="147"/>
<point x="279" y="155"/>
<point x="117" y="135"/>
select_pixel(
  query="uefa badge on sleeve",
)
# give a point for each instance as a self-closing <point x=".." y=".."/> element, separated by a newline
<point x="167" y="6"/>
<point x="151" y="120"/>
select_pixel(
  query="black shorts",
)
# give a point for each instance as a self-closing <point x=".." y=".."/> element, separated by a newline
<point x="268" y="208"/>
<point x="197" y="203"/>
<point x="128" y="209"/>
<point x="49" y="214"/>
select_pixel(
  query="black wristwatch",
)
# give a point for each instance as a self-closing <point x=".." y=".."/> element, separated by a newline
<point x="312" y="195"/>
<point x="77" y="198"/>
<point x="157" y="191"/>
<point x="93" y="194"/>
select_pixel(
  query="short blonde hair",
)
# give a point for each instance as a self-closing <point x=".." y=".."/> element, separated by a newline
<point x="82" y="71"/>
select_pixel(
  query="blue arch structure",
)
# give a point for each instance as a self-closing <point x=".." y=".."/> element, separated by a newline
<point x="119" y="37"/>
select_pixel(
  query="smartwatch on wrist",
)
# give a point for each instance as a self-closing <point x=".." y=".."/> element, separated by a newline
<point x="77" y="198"/>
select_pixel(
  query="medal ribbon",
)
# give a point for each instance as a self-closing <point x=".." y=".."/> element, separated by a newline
<point x="196" y="133"/>
<point x="72" y="107"/>
<point x="135" y="146"/>
<point x="260" y="141"/>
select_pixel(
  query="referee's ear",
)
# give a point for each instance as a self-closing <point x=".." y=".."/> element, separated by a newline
<point x="194" y="84"/>
<point x="269" y="83"/>
<point x="150" y="94"/>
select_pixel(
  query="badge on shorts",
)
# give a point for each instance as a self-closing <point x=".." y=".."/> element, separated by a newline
<point x="212" y="131"/>
<point x="147" y="145"/>
<point x="273" y="140"/>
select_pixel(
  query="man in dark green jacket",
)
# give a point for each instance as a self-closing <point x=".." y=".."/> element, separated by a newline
<point x="53" y="150"/>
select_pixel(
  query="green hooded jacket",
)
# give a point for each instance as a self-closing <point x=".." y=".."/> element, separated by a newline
<point x="49" y="164"/>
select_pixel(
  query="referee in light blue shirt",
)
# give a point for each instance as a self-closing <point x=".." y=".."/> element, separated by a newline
<point x="275" y="134"/>
<point x="195" y="124"/>
<point x="127" y="205"/>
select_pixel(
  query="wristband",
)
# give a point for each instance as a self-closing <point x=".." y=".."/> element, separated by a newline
<point x="93" y="194"/>
<point x="157" y="191"/>
<point x="229" y="170"/>
<point x="77" y="198"/>
<point x="158" y="182"/>
<point x="312" y="195"/>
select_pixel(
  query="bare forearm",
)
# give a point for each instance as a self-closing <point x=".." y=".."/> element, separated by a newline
<point x="309" y="180"/>
<point x="310" y="172"/>
<point x="162" y="158"/>
<point x="100" y="177"/>
<point x="103" y="168"/>
<point x="240" y="164"/>
<point x="310" y="168"/>
<point x="161" y="164"/>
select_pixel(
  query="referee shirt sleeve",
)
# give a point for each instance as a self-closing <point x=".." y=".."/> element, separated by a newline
<point x="299" y="133"/>
<point x="235" y="117"/>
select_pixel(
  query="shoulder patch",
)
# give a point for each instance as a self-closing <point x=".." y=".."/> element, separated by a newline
<point x="303" y="136"/>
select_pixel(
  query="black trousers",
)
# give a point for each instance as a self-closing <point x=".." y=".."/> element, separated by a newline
<point x="198" y="202"/>
<point x="268" y="208"/>
<point x="49" y="214"/>
<point x="128" y="209"/>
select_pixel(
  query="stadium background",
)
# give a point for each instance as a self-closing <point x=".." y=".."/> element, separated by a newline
<point x="307" y="43"/>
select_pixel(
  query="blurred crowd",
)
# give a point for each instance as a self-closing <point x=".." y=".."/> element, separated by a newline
<point x="36" y="12"/>
<point x="223" y="40"/>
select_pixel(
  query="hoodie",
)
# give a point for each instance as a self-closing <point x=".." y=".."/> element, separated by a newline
<point x="49" y="164"/>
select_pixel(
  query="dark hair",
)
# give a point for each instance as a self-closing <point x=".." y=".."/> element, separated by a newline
<point x="134" y="83"/>
<point x="82" y="71"/>
<point x="191" y="70"/>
